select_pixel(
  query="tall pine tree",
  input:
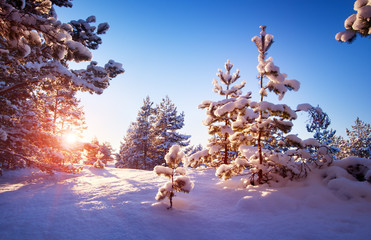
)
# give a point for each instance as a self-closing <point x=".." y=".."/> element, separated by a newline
<point x="220" y="117"/>
<point x="148" y="140"/>
<point x="35" y="49"/>
<point x="167" y="124"/>
<point x="137" y="150"/>
<point x="261" y="129"/>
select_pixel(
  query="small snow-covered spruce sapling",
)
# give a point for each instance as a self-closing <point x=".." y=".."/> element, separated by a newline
<point x="220" y="115"/>
<point x="178" y="181"/>
<point x="260" y="129"/>
<point x="99" y="163"/>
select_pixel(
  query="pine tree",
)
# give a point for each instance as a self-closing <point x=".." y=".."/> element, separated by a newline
<point x="35" y="49"/>
<point x="145" y="134"/>
<point x="153" y="133"/>
<point x="125" y="158"/>
<point x="166" y="126"/>
<point x="319" y="121"/>
<point x="178" y="181"/>
<point x="107" y="152"/>
<point x="193" y="149"/>
<point x="261" y="127"/>
<point x="358" y="23"/>
<point x="219" y="118"/>
<point x="358" y="143"/>
<point x="137" y="151"/>
<point x="99" y="163"/>
<point x="91" y="151"/>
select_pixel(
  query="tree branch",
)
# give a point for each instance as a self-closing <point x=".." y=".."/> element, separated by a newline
<point x="15" y="86"/>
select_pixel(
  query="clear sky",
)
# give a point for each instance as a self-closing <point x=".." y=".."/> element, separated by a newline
<point x="174" y="48"/>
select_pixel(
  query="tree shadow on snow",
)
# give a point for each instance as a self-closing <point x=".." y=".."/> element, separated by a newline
<point x="101" y="172"/>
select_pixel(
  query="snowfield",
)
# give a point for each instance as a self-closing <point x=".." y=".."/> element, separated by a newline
<point x="115" y="203"/>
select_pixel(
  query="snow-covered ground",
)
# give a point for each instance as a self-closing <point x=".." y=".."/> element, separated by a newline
<point x="115" y="203"/>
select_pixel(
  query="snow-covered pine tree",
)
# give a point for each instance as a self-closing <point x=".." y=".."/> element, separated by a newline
<point x="166" y="126"/>
<point x="190" y="150"/>
<point x="319" y="121"/>
<point x="145" y="135"/>
<point x="35" y="50"/>
<point x="178" y="181"/>
<point x="360" y="139"/>
<point x="91" y="151"/>
<point x="358" y="23"/>
<point x="137" y="150"/>
<point x="263" y="149"/>
<point x="106" y="149"/>
<point x="220" y="114"/>
<point x="125" y="157"/>
<point x="99" y="163"/>
<point x="358" y="143"/>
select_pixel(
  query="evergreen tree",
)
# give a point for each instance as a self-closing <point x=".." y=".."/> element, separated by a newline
<point x="95" y="151"/>
<point x="193" y="149"/>
<point x="220" y="117"/>
<point x="153" y="133"/>
<point x="358" y="143"/>
<point x="125" y="158"/>
<point x="358" y="23"/>
<point x="177" y="183"/>
<point x="99" y="163"/>
<point x="91" y="151"/>
<point x="145" y="135"/>
<point x="35" y="49"/>
<point x="137" y="150"/>
<point x="166" y="126"/>
<point x="107" y="151"/>
<point x="343" y="146"/>
<point x="319" y="121"/>
<point x="261" y="129"/>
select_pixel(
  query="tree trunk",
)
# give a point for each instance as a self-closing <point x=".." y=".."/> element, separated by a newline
<point x="171" y="192"/>
<point x="226" y="149"/>
<point x="260" y="173"/>
<point x="226" y="137"/>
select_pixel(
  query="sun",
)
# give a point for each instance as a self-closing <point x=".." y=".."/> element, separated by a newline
<point x="70" y="138"/>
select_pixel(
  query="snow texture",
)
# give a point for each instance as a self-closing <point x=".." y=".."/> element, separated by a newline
<point x="165" y="171"/>
<point x="114" y="203"/>
<point x="304" y="107"/>
<point x="174" y="156"/>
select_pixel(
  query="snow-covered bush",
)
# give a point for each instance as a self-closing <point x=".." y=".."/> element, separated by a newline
<point x="178" y="181"/>
<point x="99" y="163"/>
<point x="349" y="178"/>
<point x="359" y="22"/>
<point x="359" y="168"/>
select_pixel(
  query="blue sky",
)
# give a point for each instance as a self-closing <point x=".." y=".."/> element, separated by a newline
<point x="174" y="48"/>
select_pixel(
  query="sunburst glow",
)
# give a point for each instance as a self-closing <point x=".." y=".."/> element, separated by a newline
<point x="70" y="138"/>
